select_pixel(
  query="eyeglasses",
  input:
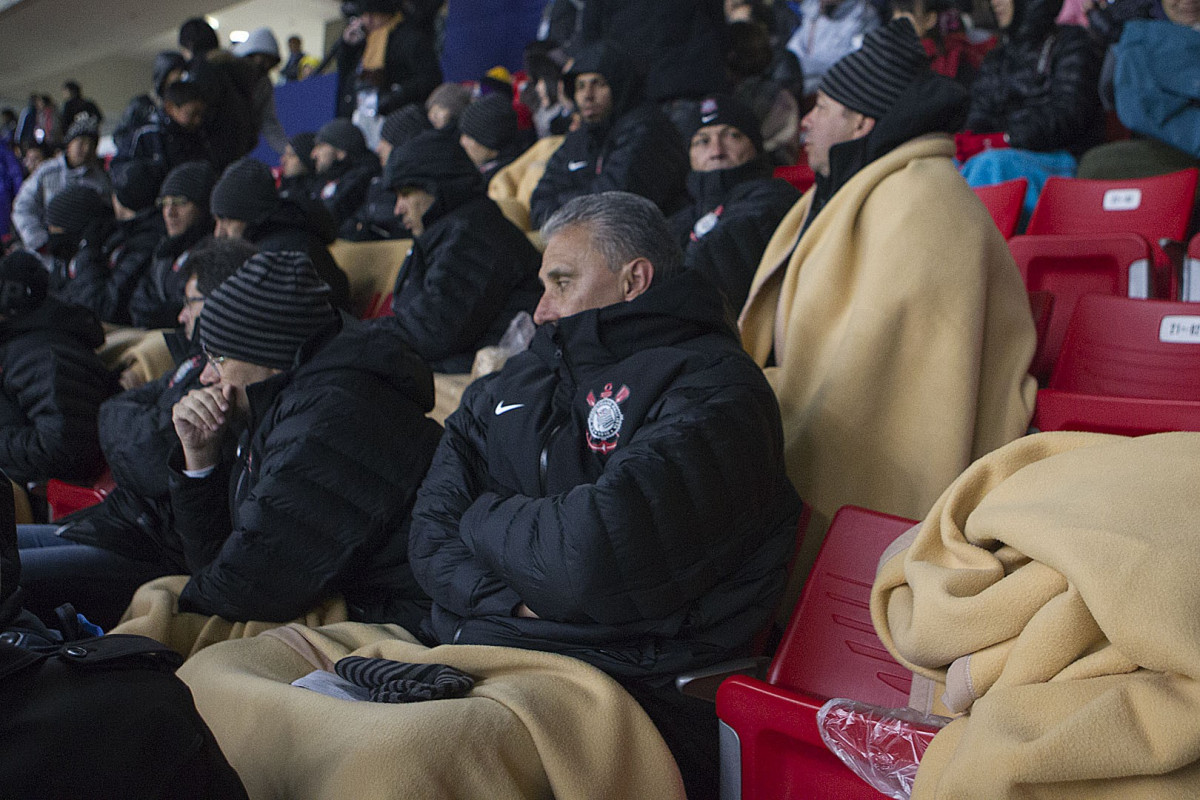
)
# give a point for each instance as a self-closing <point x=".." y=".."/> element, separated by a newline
<point x="215" y="361"/>
<point x="172" y="202"/>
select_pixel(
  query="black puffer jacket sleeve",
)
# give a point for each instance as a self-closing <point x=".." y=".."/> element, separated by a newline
<point x="137" y="434"/>
<point x="462" y="273"/>
<point x="319" y="506"/>
<point x="617" y="551"/>
<point x="59" y="386"/>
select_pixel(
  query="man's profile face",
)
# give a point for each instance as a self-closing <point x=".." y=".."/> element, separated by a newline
<point x="593" y="96"/>
<point x="80" y="150"/>
<point x="478" y="153"/>
<point x="325" y="155"/>
<point x="830" y="123"/>
<point x="227" y="228"/>
<point x="237" y="374"/>
<point x="187" y="116"/>
<point x="575" y="277"/>
<point x="1182" y="12"/>
<point x="1003" y="11"/>
<point x="411" y="204"/>
<point x="290" y="164"/>
<point x="193" y="304"/>
<point x="716" y="147"/>
<point x="179" y="214"/>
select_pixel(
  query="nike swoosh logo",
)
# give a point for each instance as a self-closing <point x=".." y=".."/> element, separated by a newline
<point x="708" y="118"/>
<point x="503" y="409"/>
<point x="575" y="166"/>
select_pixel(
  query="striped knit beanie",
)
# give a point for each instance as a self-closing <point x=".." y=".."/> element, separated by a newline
<point x="266" y="310"/>
<point x="870" y="79"/>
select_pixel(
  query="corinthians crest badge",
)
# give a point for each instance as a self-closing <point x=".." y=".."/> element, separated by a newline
<point x="605" y="419"/>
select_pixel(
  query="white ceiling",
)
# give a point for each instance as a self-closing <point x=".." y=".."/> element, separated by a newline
<point x="109" y="45"/>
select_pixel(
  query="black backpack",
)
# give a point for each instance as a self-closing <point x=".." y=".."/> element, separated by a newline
<point x="100" y="716"/>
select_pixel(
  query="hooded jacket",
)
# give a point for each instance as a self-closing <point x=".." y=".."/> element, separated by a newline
<point x="624" y="479"/>
<point x="634" y="149"/>
<point x="726" y="228"/>
<point x="317" y="502"/>
<point x="471" y="270"/>
<point x="343" y="188"/>
<point x="106" y="280"/>
<point x="158" y="297"/>
<point x="52" y="383"/>
<point x="1039" y="85"/>
<point x="302" y="225"/>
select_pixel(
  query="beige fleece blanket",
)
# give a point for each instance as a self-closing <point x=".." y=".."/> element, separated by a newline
<point x="902" y="337"/>
<point x="518" y="180"/>
<point x="154" y="612"/>
<point x="1053" y="591"/>
<point x="536" y="725"/>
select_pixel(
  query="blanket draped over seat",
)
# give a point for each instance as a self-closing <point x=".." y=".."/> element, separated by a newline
<point x="536" y="725"/>
<point x="1052" y="590"/>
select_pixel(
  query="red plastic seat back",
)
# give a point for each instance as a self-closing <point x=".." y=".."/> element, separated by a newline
<point x="1069" y="267"/>
<point x="1157" y="207"/>
<point x="830" y="648"/>
<point x="800" y="176"/>
<point x="1003" y="201"/>
<point x="1191" y="271"/>
<point x="1131" y="348"/>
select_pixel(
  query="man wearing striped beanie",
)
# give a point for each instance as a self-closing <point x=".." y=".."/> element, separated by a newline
<point x="284" y="495"/>
<point x="887" y="303"/>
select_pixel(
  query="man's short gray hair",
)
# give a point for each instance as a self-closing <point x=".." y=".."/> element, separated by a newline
<point x="623" y="227"/>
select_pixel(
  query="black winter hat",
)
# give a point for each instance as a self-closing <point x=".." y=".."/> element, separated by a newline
<point x="491" y="121"/>
<point x="23" y="283"/>
<point x="76" y="207"/>
<point x="193" y="180"/>
<point x="166" y="62"/>
<point x="266" y="310"/>
<point x="722" y="109"/>
<point x="246" y="191"/>
<point x="431" y="158"/>
<point x="870" y="79"/>
<point x="83" y="125"/>
<point x="135" y="183"/>
<point x="344" y="135"/>
<point x="302" y="144"/>
<point x="403" y="124"/>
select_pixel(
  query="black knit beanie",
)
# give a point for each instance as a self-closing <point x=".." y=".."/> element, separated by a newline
<point x="302" y="145"/>
<point x="722" y="109"/>
<point x="344" y="135"/>
<point x="266" y="310"/>
<point x="135" y="183"/>
<point x="246" y="192"/>
<point x="76" y="207"/>
<point x="403" y="124"/>
<point x="870" y="79"/>
<point x="83" y="125"/>
<point x="430" y="159"/>
<point x="23" y="283"/>
<point x="193" y="180"/>
<point x="491" y="121"/>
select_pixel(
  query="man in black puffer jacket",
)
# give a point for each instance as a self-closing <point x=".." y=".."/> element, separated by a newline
<point x="329" y="416"/>
<point x="736" y="204"/>
<point x="1040" y="84"/>
<point x="617" y="493"/>
<point x="246" y="206"/>
<point x="106" y="282"/>
<point x="344" y="169"/>
<point x="470" y="270"/>
<point x="623" y="144"/>
<point x="51" y="380"/>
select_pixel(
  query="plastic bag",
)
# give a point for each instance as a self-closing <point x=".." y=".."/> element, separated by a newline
<point x="515" y="340"/>
<point x="883" y="746"/>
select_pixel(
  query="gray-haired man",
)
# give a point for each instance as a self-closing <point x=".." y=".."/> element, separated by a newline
<point x="617" y="492"/>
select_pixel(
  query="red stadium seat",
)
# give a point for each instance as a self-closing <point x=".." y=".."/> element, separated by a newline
<point x="67" y="498"/>
<point x="1127" y="366"/>
<point x="1003" y="201"/>
<point x="1190" y="284"/>
<point x="1157" y="208"/>
<point x="799" y="175"/>
<point x="1069" y="267"/>
<point x="770" y="744"/>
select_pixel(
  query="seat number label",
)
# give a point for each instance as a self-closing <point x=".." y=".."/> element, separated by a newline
<point x="1122" y="199"/>
<point x="1180" y="329"/>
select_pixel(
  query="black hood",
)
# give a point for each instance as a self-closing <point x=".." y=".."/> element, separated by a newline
<point x="670" y="312"/>
<point x="710" y="189"/>
<point x="618" y="69"/>
<point x="55" y="315"/>
<point x="1033" y="20"/>
<point x="297" y="214"/>
<point x="435" y="162"/>
<point x="931" y="104"/>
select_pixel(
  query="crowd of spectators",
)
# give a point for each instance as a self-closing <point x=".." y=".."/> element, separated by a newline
<point x="690" y="340"/>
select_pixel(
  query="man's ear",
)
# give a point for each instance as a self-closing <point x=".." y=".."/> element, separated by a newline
<point x="865" y="125"/>
<point x="638" y="276"/>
